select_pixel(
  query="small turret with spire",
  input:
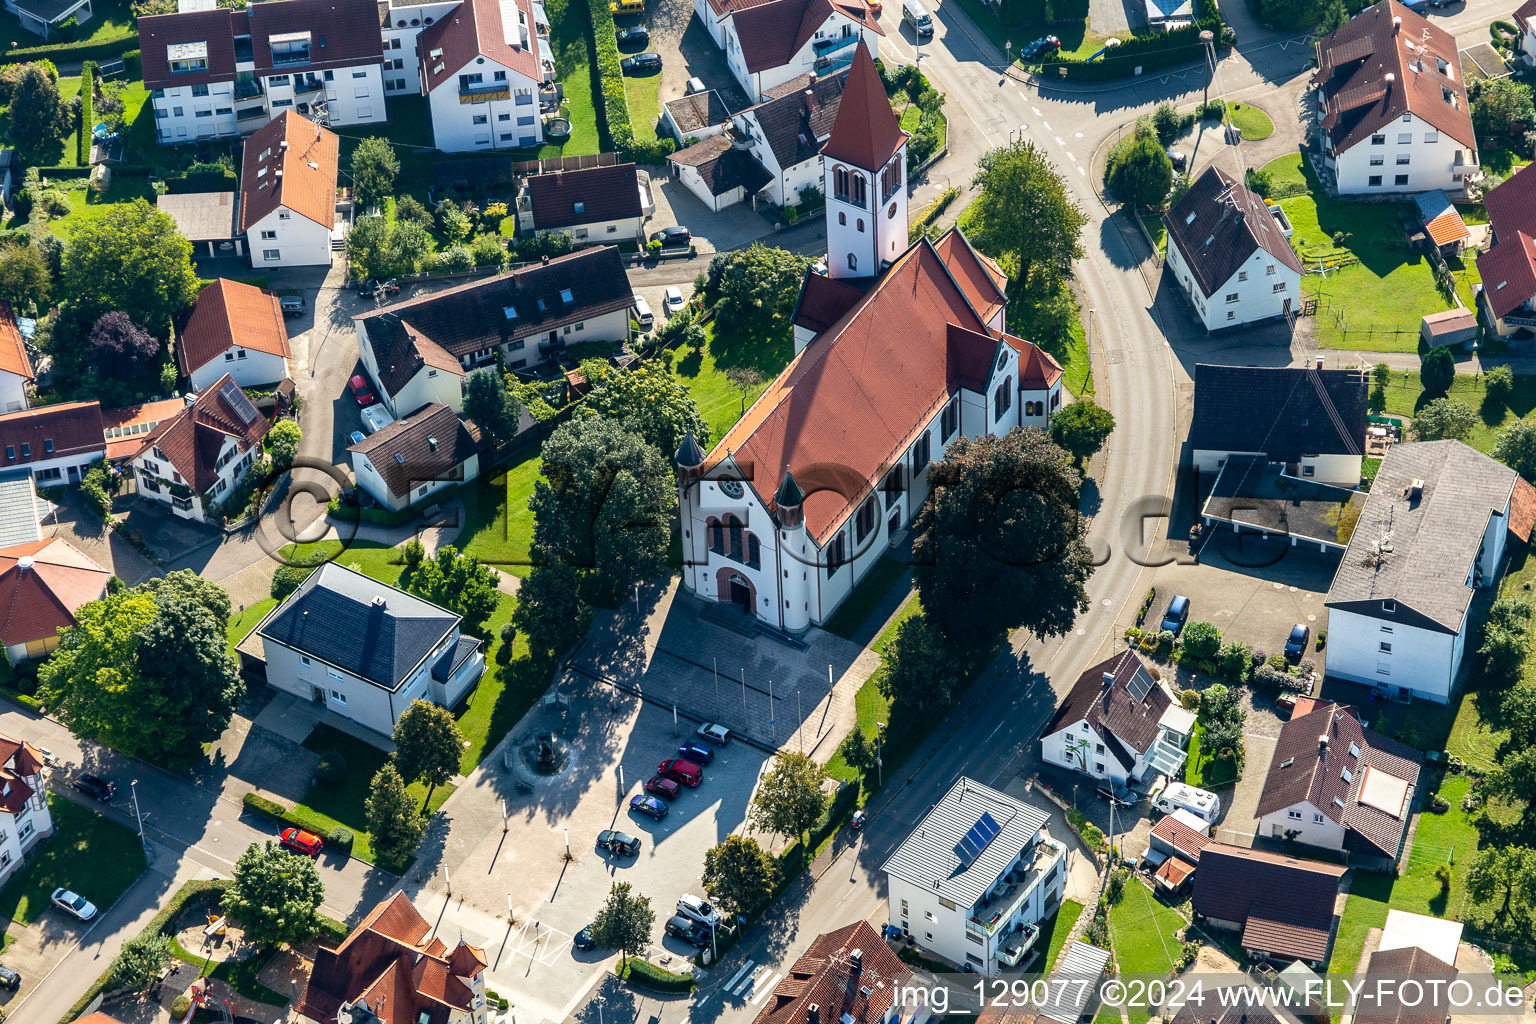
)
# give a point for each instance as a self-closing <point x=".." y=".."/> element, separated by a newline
<point x="789" y="500"/>
<point x="689" y="460"/>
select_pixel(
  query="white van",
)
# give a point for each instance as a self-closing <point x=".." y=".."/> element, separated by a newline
<point x="918" y="19"/>
<point x="1169" y="797"/>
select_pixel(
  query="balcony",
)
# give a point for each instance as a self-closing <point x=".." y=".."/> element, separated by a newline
<point x="822" y="47"/>
<point x="288" y="58"/>
<point x="251" y="115"/>
<point x="996" y="913"/>
<point x="1516" y="320"/>
<point x="307" y="86"/>
<point x="1013" y="947"/>
<point x="247" y="89"/>
<point x="480" y="92"/>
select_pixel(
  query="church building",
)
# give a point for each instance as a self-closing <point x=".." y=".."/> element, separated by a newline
<point x="899" y="350"/>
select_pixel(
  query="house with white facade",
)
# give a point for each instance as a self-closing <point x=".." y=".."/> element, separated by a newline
<point x="193" y="461"/>
<point x="849" y="975"/>
<point x="419" y="352"/>
<point x="1432" y="534"/>
<point x="414" y="650"/>
<point x="44" y="17"/>
<point x="56" y="442"/>
<point x="1392" y="108"/>
<point x="769" y="44"/>
<point x="481" y="71"/>
<point x="416" y="457"/>
<point x="806" y="492"/>
<point x="42" y="584"/>
<point x="1337" y="785"/>
<point x="1118" y="723"/>
<point x="595" y="204"/>
<point x="1230" y="255"/>
<point x="24" y="815"/>
<point x="1309" y="420"/>
<point x="1525" y="21"/>
<point x="216" y="72"/>
<point x="15" y="367"/>
<point x="974" y="879"/>
<point x="288" y="193"/>
<point x="1507" y="294"/>
<point x="236" y="329"/>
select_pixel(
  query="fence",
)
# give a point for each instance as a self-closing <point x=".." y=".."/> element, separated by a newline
<point x="565" y="163"/>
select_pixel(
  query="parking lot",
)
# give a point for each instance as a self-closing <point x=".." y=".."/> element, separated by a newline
<point x="32" y="950"/>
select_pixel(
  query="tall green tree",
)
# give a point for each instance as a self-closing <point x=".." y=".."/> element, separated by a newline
<point x="759" y="281"/>
<point x="1516" y="447"/>
<point x="1082" y="428"/>
<point x="1138" y="171"/>
<point x="921" y="675"/>
<point x="374" y="169"/>
<point x="1437" y="371"/>
<point x="1001" y="518"/>
<point x="39" y="117"/>
<point x="624" y="922"/>
<point x="283" y="442"/>
<point x="1024" y="211"/>
<point x="789" y="798"/>
<point x="428" y="745"/>
<point x="130" y="258"/>
<point x="458" y="582"/>
<point x="1514" y="777"/>
<point x="369" y="253"/>
<point x="275" y="895"/>
<point x="739" y="874"/>
<point x="1505" y="873"/>
<point x="493" y="407"/>
<point x="604" y="504"/>
<point x="141" y="961"/>
<point x="649" y="401"/>
<point x="552" y="611"/>
<point x="1444" y="419"/>
<point x="187" y="584"/>
<point x="26" y="281"/>
<point x="393" y="822"/>
<point x="408" y="248"/>
<point x="1499" y="107"/>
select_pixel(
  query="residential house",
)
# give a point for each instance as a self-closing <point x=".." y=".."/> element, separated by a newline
<point x="1392" y="108"/>
<point x="974" y="879"/>
<point x="125" y="428"/>
<point x="718" y="172"/>
<point x="715" y="15"/>
<point x="401" y="23"/>
<point x="770" y="43"/>
<point x="24" y="814"/>
<point x="1228" y="1006"/>
<point x="1525" y="21"/>
<point x="194" y="461"/>
<point x="22" y="510"/>
<point x="42" y="584"/>
<point x="805" y="492"/>
<point x="1309" y="419"/>
<point x="217" y="72"/>
<point x="1507" y="296"/>
<point x="416" y="457"/>
<point x="394" y="965"/>
<point x="1118" y="723"/>
<point x="846" y="976"/>
<point x="596" y="204"/>
<point x="1229" y="254"/>
<point x="1431" y="535"/>
<point x="1280" y="906"/>
<point x="1427" y="1001"/>
<point x="236" y="329"/>
<point x="415" y="650"/>
<point x="418" y="352"/>
<point x="44" y="17"/>
<point x="15" y="366"/>
<point x="56" y="442"/>
<point x="1174" y="847"/>
<point x="288" y="193"/>
<point x="697" y="115"/>
<point x="481" y="71"/>
<point x="1335" y="784"/>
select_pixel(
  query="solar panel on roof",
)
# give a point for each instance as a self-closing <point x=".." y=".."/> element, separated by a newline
<point x="238" y="404"/>
<point x="977" y="839"/>
<point x="1140" y="683"/>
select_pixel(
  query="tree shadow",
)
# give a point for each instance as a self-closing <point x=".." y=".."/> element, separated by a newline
<point x="763" y="344"/>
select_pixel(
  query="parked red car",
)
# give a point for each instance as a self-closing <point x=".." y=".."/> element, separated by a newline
<point x="686" y="772"/>
<point x="300" y="841"/>
<point x="361" y="391"/>
<point x="662" y="787"/>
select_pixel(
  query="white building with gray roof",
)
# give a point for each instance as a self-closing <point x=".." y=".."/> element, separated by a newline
<point x="974" y="879"/>
<point x="1432" y="533"/>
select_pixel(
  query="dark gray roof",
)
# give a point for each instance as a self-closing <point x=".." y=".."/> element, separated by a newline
<point x="927" y="856"/>
<point x="1252" y="491"/>
<point x="454" y="657"/>
<point x="1219" y="224"/>
<point x="359" y="625"/>
<point x="1282" y="412"/>
<point x="722" y="167"/>
<point x="1128" y="725"/>
<point x="591" y="195"/>
<point x="795" y="124"/>
<point x="1435" y="538"/>
<point x="20" y="507"/>
<point x="1284" y="904"/>
<point x="420" y="448"/>
<point x="698" y="111"/>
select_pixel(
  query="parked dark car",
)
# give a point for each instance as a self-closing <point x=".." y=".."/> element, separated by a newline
<point x="1177" y="613"/>
<point x="641" y="64"/>
<point x="673" y="236"/>
<point x="1042" y="47"/>
<point x="621" y="843"/>
<point x="648" y="805"/>
<point x="583" y="940"/>
<point x="1296" y="643"/>
<point x="95" y="785"/>
<point x="663" y="787"/>
<point x="1116" y="793"/>
<point x="698" y="753"/>
<point x="1177" y="159"/>
<point x="633" y="37"/>
<point x="9" y="978"/>
<point x="292" y="305"/>
<point x="356" y="437"/>
<point x="378" y="286"/>
<point x="691" y="932"/>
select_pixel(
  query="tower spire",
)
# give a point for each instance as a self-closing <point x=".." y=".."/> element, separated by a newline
<point x="864" y="168"/>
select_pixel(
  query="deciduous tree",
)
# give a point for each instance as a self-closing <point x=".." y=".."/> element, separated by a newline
<point x="283" y="442"/>
<point x="1139" y="172"/>
<point x="495" y="410"/>
<point x="1498" y="106"/>
<point x="649" y="401"/>
<point x="130" y="258"/>
<point x="458" y="582"/>
<point x="393" y="822"/>
<point x="999" y="540"/>
<point x="624" y="923"/>
<point x="141" y="961"/>
<point x="740" y="875"/>
<point x="551" y="611"/>
<point x="758" y="281"/>
<point x="1505" y="873"/>
<point x="1082" y="428"/>
<point x="1514" y="777"/>
<point x="1516" y="448"/>
<point x="39" y="116"/>
<point x="1024" y="211"/>
<point x="26" y="281"/>
<point x="858" y="752"/>
<point x="374" y="168"/>
<point x="1201" y="640"/>
<point x="1444" y="419"/>
<point x="789" y="797"/>
<point x="920" y="673"/>
<point x="275" y="895"/>
<point x="118" y="347"/>
<point x="428" y="745"/>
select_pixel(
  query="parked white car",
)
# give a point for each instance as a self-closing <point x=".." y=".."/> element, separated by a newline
<point x="1169" y="797"/>
<point x="672" y="300"/>
<point x="696" y="908"/>
<point x="714" y="733"/>
<point x="74" y="903"/>
<point x="643" y="315"/>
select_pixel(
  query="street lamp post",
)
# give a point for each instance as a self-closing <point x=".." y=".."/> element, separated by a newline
<point x="879" y="761"/>
<point x="134" y="785"/>
<point x="1091" y="311"/>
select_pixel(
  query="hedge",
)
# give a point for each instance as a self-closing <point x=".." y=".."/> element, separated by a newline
<point x="614" y="131"/>
<point x="87" y="98"/>
<point x="25" y="700"/>
<point x="133" y="64"/>
<point x="288" y="816"/>
<point x="648" y="975"/>
<point x="1149" y="52"/>
<point x="68" y="53"/>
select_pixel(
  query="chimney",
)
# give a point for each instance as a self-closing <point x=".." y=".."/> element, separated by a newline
<point x="813" y="1014"/>
<point x="1109" y="679"/>
<point x="378" y="601"/>
<point x="1319" y="362"/>
<point x="1322" y="743"/>
<point x="1415" y="491"/>
<point x="546" y="261"/>
<point x="1397" y="24"/>
<point x="432" y="442"/>
<point x="856" y="961"/>
<point x="810" y="100"/>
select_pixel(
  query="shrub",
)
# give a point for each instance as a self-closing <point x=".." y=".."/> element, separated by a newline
<point x="1439" y="804"/>
<point x="1267" y="675"/>
<point x="414" y="553"/>
<point x="96" y="487"/>
<point x="1190" y="700"/>
<point x="456" y="259"/>
<point x="332" y="769"/>
<point x="1499" y="382"/>
<point x="341" y="839"/>
<point x="1201" y="640"/>
<point x="287" y="579"/>
<point x="608" y="83"/>
<point x="1234" y="660"/>
<point x="655" y="151"/>
<point x="1278" y="662"/>
<point x="179" y="1007"/>
<point x="648" y="975"/>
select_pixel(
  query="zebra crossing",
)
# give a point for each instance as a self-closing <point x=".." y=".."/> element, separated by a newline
<point x="752" y="982"/>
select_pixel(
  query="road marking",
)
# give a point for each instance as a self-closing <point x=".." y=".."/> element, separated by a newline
<point x="1081" y="171"/>
<point x="1072" y="157"/>
<point x="1059" y="140"/>
<point x="761" y="993"/>
<point x="1036" y="110"/>
<point x="1047" y="124"/>
<point x="746" y="984"/>
<point x="737" y="976"/>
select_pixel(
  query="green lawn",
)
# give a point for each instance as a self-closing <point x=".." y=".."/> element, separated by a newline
<point x="1204" y="770"/>
<point x="1143" y="931"/>
<point x="1405" y="395"/>
<point x="1251" y="121"/>
<point x="1056" y="930"/>
<point x="1076" y="366"/>
<point x="241" y="623"/>
<point x="490" y="533"/>
<point x="1157" y="230"/>
<point x="861" y="603"/>
<point x="1375" y="299"/>
<point x="764" y="350"/>
<point x="568" y="39"/>
<point x="87" y="854"/>
<point x="642" y="94"/>
<point x="874" y="710"/>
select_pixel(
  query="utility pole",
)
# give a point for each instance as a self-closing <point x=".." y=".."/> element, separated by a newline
<point x="1207" y="40"/>
<point x="879" y="761"/>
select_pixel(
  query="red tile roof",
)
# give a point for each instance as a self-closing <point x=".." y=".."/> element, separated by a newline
<point x="229" y="313"/>
<point x="1522" y="509"/>
<point x="1508" y="268"/>
<point x="148" y="416"/>
<point x="13" y="353"/>
<point x="825" y="976"/>
<point x="1185" y="841"/>
<point x="473" y="29"/>
<point x="192" y="440"/>
<point x="849" y="405"/>
<point x="986" y="289"/>
<point x="51" y="432"/>
<point x="1037" y="369"/>
<point x="726" y="8"/>
<point x="771" y="34"/>
<point x="300" y="175"/>
<point x="866" y="133"/>
<point x="824" y="301"/>
<point x="42" y="584"/>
